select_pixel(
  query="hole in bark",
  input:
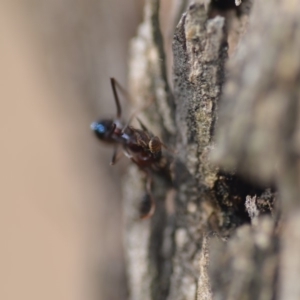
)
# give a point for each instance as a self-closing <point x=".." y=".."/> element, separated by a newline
<point x="231" y="192"/>
<point x="223" y="4"/>
<point x="223" y="7"/>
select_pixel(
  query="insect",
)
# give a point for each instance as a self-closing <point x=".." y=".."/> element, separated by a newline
<point x="141" y="146"/>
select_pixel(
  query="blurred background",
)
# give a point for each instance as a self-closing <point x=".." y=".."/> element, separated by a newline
<point x="61" y="217"/>
<point x="61" y="214"/>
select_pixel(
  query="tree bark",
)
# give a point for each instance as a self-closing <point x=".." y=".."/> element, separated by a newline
<point x="235" y="132"/>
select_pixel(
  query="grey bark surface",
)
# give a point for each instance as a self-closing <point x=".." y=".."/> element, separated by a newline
<point x="199" y="54"/>
<point x="223" y="232"/>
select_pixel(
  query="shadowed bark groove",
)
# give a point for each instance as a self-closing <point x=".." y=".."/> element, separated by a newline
<point x="149" y="244"/>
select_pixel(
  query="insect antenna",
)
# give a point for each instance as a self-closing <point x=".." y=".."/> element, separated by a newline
<point x="113" y="86"/>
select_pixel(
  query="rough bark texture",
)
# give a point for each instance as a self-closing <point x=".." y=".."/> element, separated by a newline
<point x="217" y="235"/>
<point x="199" y="54"/>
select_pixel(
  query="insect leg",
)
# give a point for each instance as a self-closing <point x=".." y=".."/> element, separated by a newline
<point x="147" y="207"/>
<point x="142" y="125"/>
<point x="139" y="110"/>
<point x="116" y="156"/>
<point x="173" y="152"/>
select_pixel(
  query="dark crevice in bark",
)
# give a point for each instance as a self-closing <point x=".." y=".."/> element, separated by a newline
<point x="223" y="6"/>
<point x="231" y="191"/>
